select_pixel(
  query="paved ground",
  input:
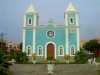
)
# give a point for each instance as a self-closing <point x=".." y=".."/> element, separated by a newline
<point x="61" y="69"/>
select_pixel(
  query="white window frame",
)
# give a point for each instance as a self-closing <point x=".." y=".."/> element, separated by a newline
<point x="48" y="36"/>
<point x="38" y="50"/>
<point x="71" y="51"/>
<point x="70" y="20"/>
<point x="27" y="50"/>
<point x="59" y="50"/>
<point x="28" y="21"/>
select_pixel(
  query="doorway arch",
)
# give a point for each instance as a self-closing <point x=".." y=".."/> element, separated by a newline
<point x="50" y="50"/>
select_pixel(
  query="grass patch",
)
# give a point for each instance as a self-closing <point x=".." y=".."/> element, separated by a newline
<point x="98" y="71"/>
<point x="97" y="59"/>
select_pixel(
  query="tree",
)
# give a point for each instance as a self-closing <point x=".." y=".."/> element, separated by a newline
<point x="81" y="57"/>
<point x="19" y="56"/>
<point x="3" y="57"/>
<point x="20" y="46"/>
<point x="4" y="67"/>
<point x="92" y="46"/>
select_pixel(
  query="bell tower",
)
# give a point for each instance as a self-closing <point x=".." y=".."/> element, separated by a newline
<point x="30" y="23"/>
<point x="72" y="29"/>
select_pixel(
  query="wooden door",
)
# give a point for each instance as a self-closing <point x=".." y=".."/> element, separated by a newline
<point x="50" y="51"/>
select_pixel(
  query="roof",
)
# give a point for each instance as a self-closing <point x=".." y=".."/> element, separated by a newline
<point x="71" y="7"/>
<point x="31" y="9"/>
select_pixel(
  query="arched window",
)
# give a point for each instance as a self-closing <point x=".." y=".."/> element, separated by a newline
<point x="72" y="51"/>
<point x="28" y="50"/>
<point x="61" y="50"/>
<point x="30" y="21"/>
<point x="40" y="50"/>
<point x="71" y="20"/>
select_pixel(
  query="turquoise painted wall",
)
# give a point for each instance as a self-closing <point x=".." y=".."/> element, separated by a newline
<point x="73" y="39"/>
<point x="42" y="38"/>
<point x="28" y="37"/>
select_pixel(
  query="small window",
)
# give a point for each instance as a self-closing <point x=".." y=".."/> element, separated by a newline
<point x="61" y="50"/>
<point x="30" y="21"/>
<point x="72" y="51"/>
<point x="71" y="20"/>
<point x="28" y="48"/>
<point x="39" y="51"/>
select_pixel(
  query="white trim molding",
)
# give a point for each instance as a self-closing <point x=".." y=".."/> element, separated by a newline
<point x="77" y="19"/>
<point x="38" y="47"/>
<point x="66" y="34"/>
<point x="24" y="21"/>
<point x="78" y="32"/>
<point x="34" y="31"/>
<point x="33" y="40"/>
<point x="71" y="49"/>
<point x="48" y="36"/>
<point x="34" y="20"/>
<point x="29" y="46"/>
<point x="59" y="47"/>
<point x="78" y="40"/>
<point x="23" y="46"/>
<point x="46" y="48"/>
<point x="28" y="21"/>
<point x="66" y="19"/>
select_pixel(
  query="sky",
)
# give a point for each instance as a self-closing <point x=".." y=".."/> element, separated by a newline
<point x="12" y="12"/>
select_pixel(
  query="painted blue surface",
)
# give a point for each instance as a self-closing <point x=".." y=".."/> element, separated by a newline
<point x="29" y="37"/>
<point x="73" y="39"/>
<point x="59" y="39"/>
<point x="42" y="38"/>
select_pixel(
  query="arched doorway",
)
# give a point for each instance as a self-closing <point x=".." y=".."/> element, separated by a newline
<point x="50" y="51"/>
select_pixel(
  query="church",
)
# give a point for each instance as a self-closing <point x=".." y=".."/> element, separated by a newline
<point x="51" y="41"/>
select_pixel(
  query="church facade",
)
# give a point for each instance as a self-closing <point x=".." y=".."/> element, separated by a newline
<point x="51" y="41"/>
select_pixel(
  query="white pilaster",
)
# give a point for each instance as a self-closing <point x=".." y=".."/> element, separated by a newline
<point x="66" y="19"/>
<point x="78" y="40"/>
<point x="34" y="31"/>
<point x="24" y="21"/>
<point x="77" y="19"/>
<point x="23" y="48"/>
<point x="23" y="34"/>
<point x="66" y="34"/>
<point x="78" y="32"/>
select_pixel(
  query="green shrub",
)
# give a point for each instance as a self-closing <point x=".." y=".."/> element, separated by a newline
<point x="81" y="57"/>
<point x="97" y="59"/>
<point x="4" y="70"/>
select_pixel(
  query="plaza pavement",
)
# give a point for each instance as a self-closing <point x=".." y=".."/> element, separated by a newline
<point x="59" y="69"/>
